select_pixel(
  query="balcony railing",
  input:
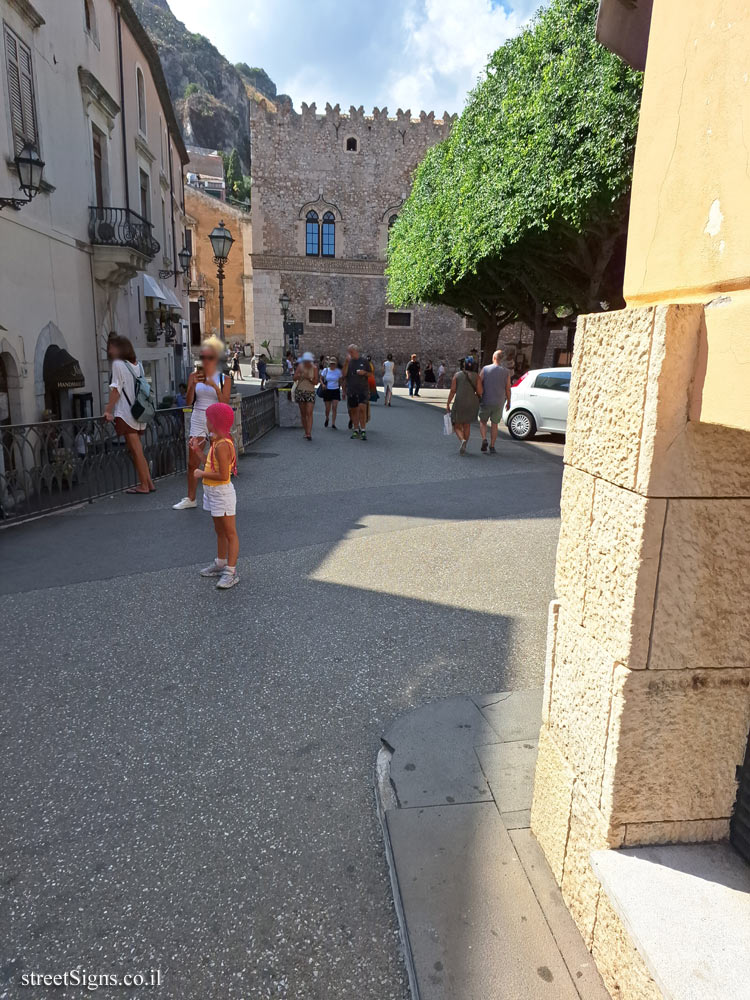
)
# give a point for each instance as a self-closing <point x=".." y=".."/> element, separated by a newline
<point x="121" y="227"/>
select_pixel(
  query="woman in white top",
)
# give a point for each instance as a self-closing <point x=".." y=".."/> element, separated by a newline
<point x="206" y="385"/>
<point x="330" y="379"/>
<point x="389" y="377"/>
<point x="121" y="395"/>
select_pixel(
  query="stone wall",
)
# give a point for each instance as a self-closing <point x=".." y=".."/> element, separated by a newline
<point x="647" y="690"/>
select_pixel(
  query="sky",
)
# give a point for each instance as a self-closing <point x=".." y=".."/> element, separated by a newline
<point x="417" y="54"/>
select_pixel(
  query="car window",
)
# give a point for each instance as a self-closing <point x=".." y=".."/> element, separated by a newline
<point x="553" y="380"/>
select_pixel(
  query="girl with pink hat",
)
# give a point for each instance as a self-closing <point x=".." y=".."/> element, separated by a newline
<point x="219" y="497"/>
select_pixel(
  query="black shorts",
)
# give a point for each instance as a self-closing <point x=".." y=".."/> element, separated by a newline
<point x="357" y="399"/>
<point x="331" y="394"/>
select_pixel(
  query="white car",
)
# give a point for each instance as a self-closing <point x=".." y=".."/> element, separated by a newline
<point x="539" y="402"/>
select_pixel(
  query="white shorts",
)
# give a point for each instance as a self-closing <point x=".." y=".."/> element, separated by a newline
<point x="220" y="501"/>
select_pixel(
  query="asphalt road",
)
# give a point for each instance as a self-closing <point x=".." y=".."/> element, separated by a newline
<point x="187" y="774"/>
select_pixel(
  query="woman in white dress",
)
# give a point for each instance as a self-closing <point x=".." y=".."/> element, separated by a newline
<point x="389" y="377"/>
<point x="206" y="385"/>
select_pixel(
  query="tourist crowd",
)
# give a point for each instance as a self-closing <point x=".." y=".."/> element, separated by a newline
<point x="211" y="453"/>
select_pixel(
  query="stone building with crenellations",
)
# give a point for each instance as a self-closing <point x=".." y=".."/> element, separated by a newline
<point x="326" y="188"/>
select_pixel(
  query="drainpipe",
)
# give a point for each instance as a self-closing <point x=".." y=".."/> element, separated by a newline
<point x="122" y="112"/>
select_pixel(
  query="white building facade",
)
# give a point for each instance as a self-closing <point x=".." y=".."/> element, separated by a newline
<point x="95" y="252"/>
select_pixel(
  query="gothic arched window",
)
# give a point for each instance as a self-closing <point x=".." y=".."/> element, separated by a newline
<point x="312" y="235"/>
<point x="351" y="145"/>
<point x="329" y="235"/>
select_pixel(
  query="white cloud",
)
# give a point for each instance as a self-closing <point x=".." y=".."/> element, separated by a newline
<point x="418" y="54"/>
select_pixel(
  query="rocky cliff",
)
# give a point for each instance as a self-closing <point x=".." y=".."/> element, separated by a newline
<point x="211" y="96"/>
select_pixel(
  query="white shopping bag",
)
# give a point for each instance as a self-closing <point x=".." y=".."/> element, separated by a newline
<point x="447" y="424"/>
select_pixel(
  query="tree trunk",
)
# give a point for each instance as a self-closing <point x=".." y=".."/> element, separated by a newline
<point x="489" y="339"/>
<point x="541" y="338"/>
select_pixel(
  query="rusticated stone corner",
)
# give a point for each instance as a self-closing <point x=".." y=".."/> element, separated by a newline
<point x="676" y="739"/>
<point x="550" y="809"/>
<point x="620" y="964"/>
<point x="701" y="617"/>
<point x="581" y="888"/>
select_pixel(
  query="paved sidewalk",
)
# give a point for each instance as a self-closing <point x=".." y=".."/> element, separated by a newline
<point x="187" y="773"/>
<point x="480" y="913"/>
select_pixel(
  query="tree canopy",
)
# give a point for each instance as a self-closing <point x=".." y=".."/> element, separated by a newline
<point x="521" y="213"/>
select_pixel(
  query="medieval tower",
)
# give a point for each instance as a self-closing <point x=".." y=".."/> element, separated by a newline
<point x="326" y="188"/>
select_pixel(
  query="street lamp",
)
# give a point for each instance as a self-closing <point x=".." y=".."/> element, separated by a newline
<point x="221" y="242"/>
<point x="284" y="302"/>
<point x="201" y="301"/>
<point x="30" y="168"/>
<point x="184" y="257"/>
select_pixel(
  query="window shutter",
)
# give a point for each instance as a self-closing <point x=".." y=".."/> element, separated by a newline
<point x="20" y="91"/>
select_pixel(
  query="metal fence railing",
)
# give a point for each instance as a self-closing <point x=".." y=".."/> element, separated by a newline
<point x="258" y="415"/>
<point x="59" y="463"/>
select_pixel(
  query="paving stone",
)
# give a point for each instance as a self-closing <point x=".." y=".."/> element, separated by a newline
<point x="514" y="715"/>
<point x="509" y="770"/>
<point x="433" y="759"/>
<point x="475" y="927"/>
<point x="577" y="956"/>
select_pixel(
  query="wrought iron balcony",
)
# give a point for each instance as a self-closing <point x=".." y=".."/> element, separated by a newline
<point x="121" y="227"/>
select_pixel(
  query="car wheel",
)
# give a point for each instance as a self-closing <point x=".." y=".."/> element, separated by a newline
<point x="521" y="425"/>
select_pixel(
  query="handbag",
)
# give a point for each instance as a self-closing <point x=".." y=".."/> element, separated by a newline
<point x="293" y="393"/>
<point x="447" y="424"/>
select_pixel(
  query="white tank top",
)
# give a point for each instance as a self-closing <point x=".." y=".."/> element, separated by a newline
<point x="388" y="366"/>
<point x="204" y="394"/>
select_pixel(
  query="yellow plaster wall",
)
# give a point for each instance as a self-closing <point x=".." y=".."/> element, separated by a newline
<point x="689" y="238"/>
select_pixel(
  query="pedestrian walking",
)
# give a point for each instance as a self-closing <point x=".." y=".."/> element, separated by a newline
<point x="306" y="378"/>
<point x="414" y="375"/>
<point x="441" y="375"/>
<point x="206" y="385"/>
<point x="330" y="380"/>
<point x="236" y="370"/>
<point x="289" y="363"/>
<point x="429" y="374"/>
<point x="125" y="369"/>
<point x="262" y="371"/>
<point x="389" y="379"/>
<point x="355" y="385"/>
<point x="465" y="397"/>
<point x="494" y="388"/>
<point x="219" y="496"/>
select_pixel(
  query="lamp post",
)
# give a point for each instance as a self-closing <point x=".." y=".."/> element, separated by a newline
<point x="221" y="242"/>
<point x="30" y="169"/>
<point x="285" y="302"/>
<point x="184" y="257"/>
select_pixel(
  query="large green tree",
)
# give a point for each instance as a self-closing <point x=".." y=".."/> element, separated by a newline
<point x="521" y="213"/>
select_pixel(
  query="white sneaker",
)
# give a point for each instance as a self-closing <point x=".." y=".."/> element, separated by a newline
<point x="213" y="570"/>
<point x="228" y="580"/>
<point x="184" y="504"/>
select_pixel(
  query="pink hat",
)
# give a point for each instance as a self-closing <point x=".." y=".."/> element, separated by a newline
<point x="221" y="416"/>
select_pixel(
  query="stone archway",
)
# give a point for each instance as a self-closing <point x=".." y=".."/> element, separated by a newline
<point x="50" y="335"/>
<point x="11" y="381"/>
